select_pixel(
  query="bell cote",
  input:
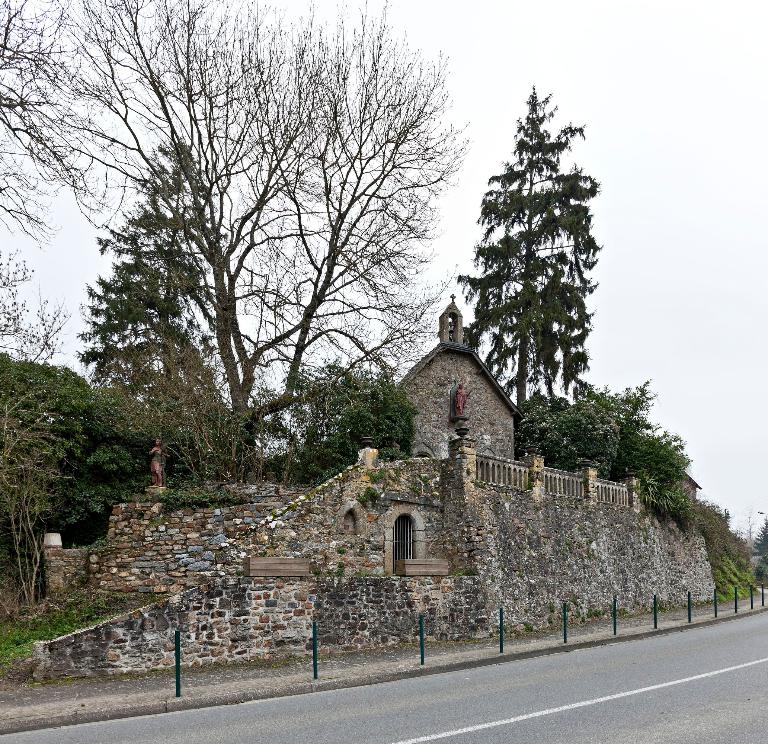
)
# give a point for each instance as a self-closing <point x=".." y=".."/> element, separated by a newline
<point x="451" y="324"/>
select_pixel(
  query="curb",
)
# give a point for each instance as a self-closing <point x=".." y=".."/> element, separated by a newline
<point x="209" y="700"/>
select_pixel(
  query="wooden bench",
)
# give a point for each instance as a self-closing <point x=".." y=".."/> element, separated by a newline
<point x="276" y="567"/>
<point x="422" y="567"/>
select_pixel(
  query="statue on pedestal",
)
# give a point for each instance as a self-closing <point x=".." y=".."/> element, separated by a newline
<point x="157" y="464"/>
<point x="459" y="397"/>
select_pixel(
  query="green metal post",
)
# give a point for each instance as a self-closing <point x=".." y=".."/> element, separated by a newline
<point x="689" y="607"/>
<point x="735" y="599"/>
<point x="421" y="638"/>
<point x="655" y="612"/>
<point x="501" y="630"/>
<point x="615" y="612"/>
<point x="177" y="654"/>
<point x="565" y="622"/>
<point x="715" y="600"/>
<point x="751" y="599"/>
<point x="314" y="650"/>
<point x="762" y="595"/>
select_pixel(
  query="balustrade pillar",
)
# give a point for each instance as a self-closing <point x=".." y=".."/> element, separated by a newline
<point x="535" y="464"/>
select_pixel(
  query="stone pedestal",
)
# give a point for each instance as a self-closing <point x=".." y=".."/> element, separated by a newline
<point x="368" y="456"/>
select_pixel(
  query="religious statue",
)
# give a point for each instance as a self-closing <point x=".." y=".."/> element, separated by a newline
<point x="157" y="464"/>
<point x="459" y="398"/>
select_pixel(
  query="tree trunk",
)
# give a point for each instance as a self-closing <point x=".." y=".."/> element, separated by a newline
<point x="521" y="378"/>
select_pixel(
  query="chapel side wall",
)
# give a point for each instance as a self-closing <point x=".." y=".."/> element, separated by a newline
<point x="148" y="550"/>
<point x="490" y="419"/>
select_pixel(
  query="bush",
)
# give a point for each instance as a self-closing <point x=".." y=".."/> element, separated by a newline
<point x="615" y="431"/>
<point x="336" y="415"/>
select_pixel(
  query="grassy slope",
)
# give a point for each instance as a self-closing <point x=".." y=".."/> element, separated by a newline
<point x="727" y="552"/>
<point x="60" y="616"/>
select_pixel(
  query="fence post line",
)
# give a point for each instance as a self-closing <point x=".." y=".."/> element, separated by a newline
<point x="314" y="650"/>
<point x="501" y="630"/>
<point x="735" y="600"/>
<point x="177" y="655"/>
<point x="689" y="607"/>
<point x="715" y="600"/>
<point x="655" y="612"/>
<point x="421" y="638"/>
<point x="615" y="613"/>
<point x="565" y="622"/>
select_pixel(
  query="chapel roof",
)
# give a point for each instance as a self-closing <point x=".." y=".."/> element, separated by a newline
<point x="447" y="346"/>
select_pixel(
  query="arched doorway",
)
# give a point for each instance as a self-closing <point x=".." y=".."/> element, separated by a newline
<point x="402" y="538"/>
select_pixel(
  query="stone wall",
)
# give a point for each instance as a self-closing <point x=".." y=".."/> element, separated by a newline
<point x="240" y="620"/>
<point x="534" y="553"/>
<point x="148" y="550"/>
<point x="64" y="568"/>
<point x="429" y="389"/>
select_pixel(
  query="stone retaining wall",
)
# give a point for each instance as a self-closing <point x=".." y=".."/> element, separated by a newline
<point x="151" y="550"/>
<point x="241" y="620"/>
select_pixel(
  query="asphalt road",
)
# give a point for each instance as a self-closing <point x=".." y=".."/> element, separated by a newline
<point x="702" y="685"/>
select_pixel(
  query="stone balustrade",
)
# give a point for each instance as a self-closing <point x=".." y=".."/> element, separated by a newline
<point x="610" y="492"/>
<point x="553" y="482"/>
<point x="502" y="472"/>
<point x="563" y="483"/>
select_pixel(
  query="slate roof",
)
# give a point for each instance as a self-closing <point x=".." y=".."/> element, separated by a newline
<point x="462" y="349"/>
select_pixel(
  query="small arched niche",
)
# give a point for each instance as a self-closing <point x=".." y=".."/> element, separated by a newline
<point x="352" y="519"/>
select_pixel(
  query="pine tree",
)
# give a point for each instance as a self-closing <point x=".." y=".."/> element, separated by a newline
<point x="534" y="261"/>
<point x="142" y="319"/>
<point x="761" y="541"/>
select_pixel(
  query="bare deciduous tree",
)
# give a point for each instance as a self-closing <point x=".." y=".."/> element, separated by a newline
<point x="25" y="333"/>
<point x="26" y="478"/>
<point x="35" y="140"/>
<point x="310" y="163"/>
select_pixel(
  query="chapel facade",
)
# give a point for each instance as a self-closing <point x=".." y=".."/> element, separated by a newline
<point x="432" y="384"/>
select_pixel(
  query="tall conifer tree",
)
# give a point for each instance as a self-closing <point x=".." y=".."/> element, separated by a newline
<point x="534" y="261"/>
<point x="761" y="541"/>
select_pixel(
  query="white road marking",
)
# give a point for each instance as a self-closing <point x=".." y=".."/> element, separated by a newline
<point x="581" y="704"/>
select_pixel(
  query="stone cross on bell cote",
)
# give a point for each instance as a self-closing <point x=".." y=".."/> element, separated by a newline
<point x="451" y="328"/>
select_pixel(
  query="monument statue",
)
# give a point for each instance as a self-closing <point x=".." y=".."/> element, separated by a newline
<point x="459" y="398"/>
<point x="157" y="464"/>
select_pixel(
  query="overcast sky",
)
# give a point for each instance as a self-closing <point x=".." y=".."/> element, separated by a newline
<point x="674" y="99"/>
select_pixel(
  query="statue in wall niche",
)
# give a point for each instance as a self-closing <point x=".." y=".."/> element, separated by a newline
<point x="459" y="397"/>
<point x="157" y="464"/>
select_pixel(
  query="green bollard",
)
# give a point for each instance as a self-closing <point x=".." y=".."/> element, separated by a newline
<point x="751" y="599"/>
<point x="762" y="595"/>
<point x="655" y="613"/>
<point x="615" y="613"/>
<point x="421" y="638"/>
<point x="501" y="630"/>
<point x="177" y="654"/>
<point x="715" y="600"/>
<point x="689" y="607"/>
<point x="565" y="622"/>
<point x="735" y="600"/>
<point x="314" y="650"/>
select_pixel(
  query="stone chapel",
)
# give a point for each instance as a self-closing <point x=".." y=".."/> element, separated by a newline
<point x="430" y="385"/>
